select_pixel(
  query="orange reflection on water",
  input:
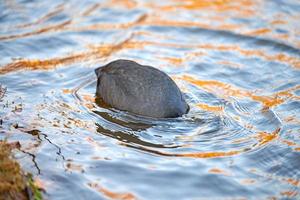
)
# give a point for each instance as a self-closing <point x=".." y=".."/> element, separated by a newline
<point x="74" y="167"/>
<point x="240" y="140"/>
<point x="210" y="108"/>
<point x="38" y="64"/>
<point x="89" y="101"/>
<point x="226" y="91"/>
<point x="268" y="101"/>
<point x="57" y="10"/>
<point x="293" y="182"/>
<point x="216" y="87"/>
<point x="55" y="27"/>
<point x="102" y="51"/>
<point x="158" y="21"/>
<point x="230" y="64"/>
<point x="67" y="91"/>
<point x="106" y="50"/>
<point x="278" y="21"/>
<point x="289" y="142"/>
<point x="112" y="195"/>
<point x="297" y="149"/>
<point x="261" y="31"/>
<point x="248" y="181"/>
<point x="129" y="4"/>
<point x="292" y="119"/>
<point x="64" y="26"/>
<point x="175" y="61"/>
<point x="208" y="154"/>
<point x="289" y="193"/>
<point x="110" y="26"/>
<point x="280" y="57"/>
<point x="213" y="154"/>
<point x="94" y="143"/>
<point x="91" y="9"/>
<point x="264" y="137"/>
<point x="244" y="7"/>
<point x="219" y="171"/>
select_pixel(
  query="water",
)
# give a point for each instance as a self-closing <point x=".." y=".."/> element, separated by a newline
<point x="237" y="63"/>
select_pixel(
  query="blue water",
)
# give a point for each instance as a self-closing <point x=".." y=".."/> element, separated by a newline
<point x="237" y="63"/>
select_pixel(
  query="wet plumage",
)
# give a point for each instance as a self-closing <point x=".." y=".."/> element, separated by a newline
<point x="143" y="90"/>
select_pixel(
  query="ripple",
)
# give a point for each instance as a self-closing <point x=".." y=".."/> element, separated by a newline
<point x="196" y="135"/>
<point x="238" y="70"/>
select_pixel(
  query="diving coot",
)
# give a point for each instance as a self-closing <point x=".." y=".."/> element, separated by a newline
<point x="143" y="90"/>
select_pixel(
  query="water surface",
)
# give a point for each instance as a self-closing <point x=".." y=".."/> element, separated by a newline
<point x="237" y="63"/>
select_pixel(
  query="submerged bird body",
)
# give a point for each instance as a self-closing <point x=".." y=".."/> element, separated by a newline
<point x="143" y="90"/>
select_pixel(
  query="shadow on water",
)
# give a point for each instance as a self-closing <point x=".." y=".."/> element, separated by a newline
<point x="135" y="126"/>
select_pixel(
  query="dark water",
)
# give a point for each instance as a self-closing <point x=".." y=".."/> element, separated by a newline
<point x="236" y="61"/>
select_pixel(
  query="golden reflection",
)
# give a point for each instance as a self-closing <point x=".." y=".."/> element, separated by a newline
<point x="217" y="109"/>
<point x="91" y="9"/>
<point x="67" y="91"/>
<point x="175" y="61"/>
<point x="209" y="154"/>
<point x="289" y="142"/>
<point x="89" y="101"/>
<point x="297" y="149"/>
<point x="65" y="26"/>
<point x="57" y="10"/>
<point x="240" y="141"/>
<point x="280" y="57"/>
<point x="264" y="137"/>
<point x="112" y="195"/>
<point x="110" y="26"/>
<point x="292" y="119"/>
<point x="55" y="27"/>
<point x="129" y="4"/>
<point x="213" y="154"/>
<point x="248" y="181"/>
<point x="278" y="21"/>
<point x="157" y="21"/>
<point x="219" y="171"/>
<point x="106" y="50"/>
<point x="230" y="64"/>
<point x="94" y="143"/>
<point x="261" y="31"/>
<point x="99" y="52"/>
<point x="74" y="167"/>
<point x="216" y="87"/>
<point x="289" y="193"/>
<point x="293" y="182"/>
<point x="244" y="7"/>
<point x="215" y="18"/>
<point x="293" y="61"/>
<point x="212" y="21"/>
<point x="226" y="91"/>
<point x="268" y="101"/>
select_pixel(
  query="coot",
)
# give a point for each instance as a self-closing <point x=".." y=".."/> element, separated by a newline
<point x="140" y="89"/>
